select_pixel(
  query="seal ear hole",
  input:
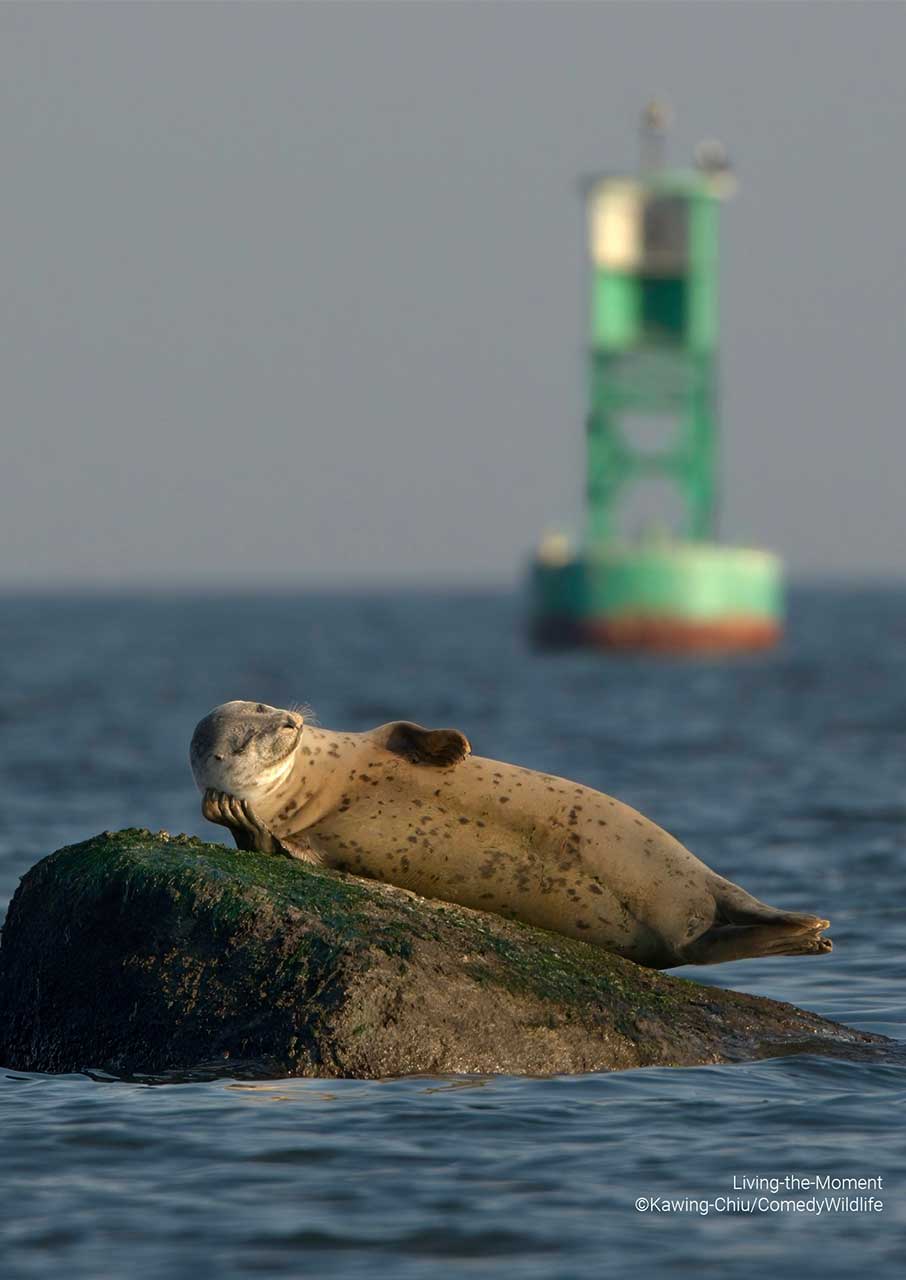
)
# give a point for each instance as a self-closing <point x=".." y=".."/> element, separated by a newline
<point x="437" y="747"/>
<point x="217" y="755"/>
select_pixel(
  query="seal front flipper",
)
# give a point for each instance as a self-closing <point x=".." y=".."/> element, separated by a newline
<point x="437" y="747"/>
<point x="248" y="830"/>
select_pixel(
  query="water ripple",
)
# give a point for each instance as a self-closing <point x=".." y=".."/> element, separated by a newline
<point x="785" y="771"/>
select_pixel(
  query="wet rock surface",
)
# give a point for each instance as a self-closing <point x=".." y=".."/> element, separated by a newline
<point x="144" y="954"/>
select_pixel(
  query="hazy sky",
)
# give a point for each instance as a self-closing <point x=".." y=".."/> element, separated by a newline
<point x="293" y="293"/>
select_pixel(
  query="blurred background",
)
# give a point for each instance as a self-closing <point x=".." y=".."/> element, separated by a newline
<point x="294" y="293"/>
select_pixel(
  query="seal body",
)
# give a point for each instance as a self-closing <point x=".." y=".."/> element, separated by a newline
<point x="412" y="807"/>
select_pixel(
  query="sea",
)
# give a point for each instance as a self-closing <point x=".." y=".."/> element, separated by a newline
<point x="785" y="771"/>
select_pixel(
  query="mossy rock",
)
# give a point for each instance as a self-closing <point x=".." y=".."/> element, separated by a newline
<point x="141" y="954"/>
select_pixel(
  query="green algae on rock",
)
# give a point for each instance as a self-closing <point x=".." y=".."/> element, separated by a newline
<point x="143" y="954"/>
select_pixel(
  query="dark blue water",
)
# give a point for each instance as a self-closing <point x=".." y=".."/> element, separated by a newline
<point x="786" y="772"/>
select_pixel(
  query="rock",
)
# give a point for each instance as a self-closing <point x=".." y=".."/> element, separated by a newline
<point x="145" y="954"/>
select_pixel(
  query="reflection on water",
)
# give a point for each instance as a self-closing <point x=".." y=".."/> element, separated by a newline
<point x="786" y="772"/>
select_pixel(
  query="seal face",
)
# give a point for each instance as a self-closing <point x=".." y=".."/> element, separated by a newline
<point x="413" y="807"/>
<point x="244" y="747"/>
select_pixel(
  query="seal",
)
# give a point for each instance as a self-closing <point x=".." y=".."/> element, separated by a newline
<point x="413" y="807"/>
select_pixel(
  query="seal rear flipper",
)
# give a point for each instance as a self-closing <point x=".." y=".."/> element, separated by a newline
<point x="747" y="942"/>
<point x="735" y="906"/>
<point x="437" y="747"/>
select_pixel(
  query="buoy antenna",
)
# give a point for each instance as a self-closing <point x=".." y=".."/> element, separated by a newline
<point x="657" y="119"/>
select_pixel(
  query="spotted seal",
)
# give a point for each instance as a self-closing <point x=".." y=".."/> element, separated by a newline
<point x="413" y="807"/>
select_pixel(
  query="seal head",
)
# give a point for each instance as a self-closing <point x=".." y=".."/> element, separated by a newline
<point x="244" y="748"/>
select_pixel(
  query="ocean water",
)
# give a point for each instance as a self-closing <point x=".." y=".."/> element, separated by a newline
<point x="786" y="772"/>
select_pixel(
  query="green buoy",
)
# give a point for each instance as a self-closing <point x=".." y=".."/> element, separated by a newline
<point x="652" y="365"/>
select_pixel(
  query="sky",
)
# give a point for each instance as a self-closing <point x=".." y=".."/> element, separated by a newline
<point x="294" y="293"/>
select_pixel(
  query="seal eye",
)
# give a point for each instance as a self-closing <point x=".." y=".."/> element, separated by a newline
<point x="261" y="707"/>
